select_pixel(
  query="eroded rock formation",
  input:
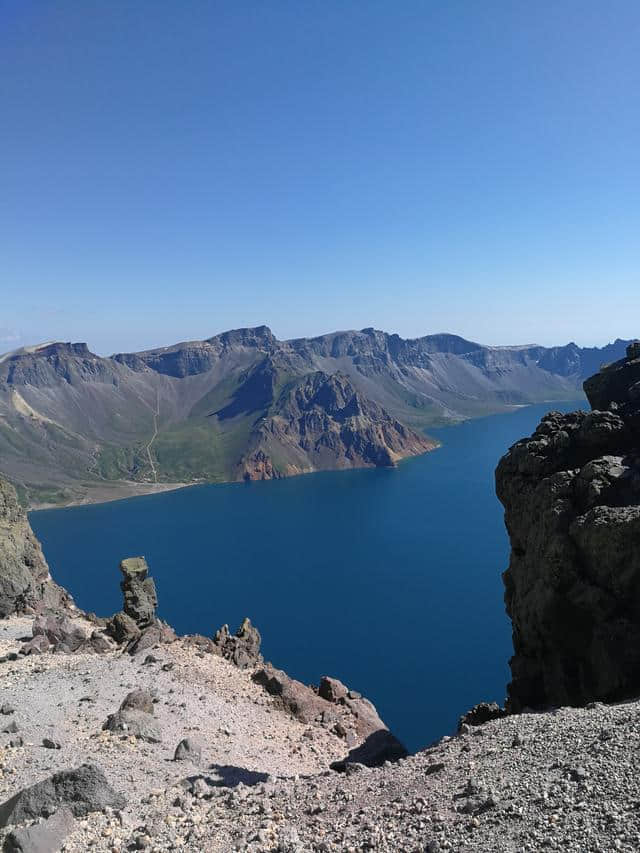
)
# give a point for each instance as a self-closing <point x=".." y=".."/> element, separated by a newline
<point x="136" y="625"/>
<point x="571" y="494"/>
<point x="241" y="648"/>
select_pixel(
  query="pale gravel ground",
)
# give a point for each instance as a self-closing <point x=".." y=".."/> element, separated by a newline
<point x="566" y="780"/>
<point x="205" y="698"/>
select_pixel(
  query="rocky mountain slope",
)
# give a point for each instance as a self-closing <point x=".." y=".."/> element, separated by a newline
<point x="571" y="494"/>
<point x="75" y="426"/>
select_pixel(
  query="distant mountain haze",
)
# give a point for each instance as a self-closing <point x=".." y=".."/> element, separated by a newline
<point x="75" y="426"/>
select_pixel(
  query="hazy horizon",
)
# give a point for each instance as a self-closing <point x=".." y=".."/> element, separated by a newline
<point x="172" y="171"/>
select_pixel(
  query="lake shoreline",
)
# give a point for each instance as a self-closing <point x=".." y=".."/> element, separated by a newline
<point x="137" y="490"/>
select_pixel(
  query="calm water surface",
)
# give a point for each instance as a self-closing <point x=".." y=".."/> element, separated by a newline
<point x="387" y="579"/>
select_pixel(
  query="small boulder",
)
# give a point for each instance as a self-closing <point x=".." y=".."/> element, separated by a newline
<point x="135" y="717"/>
<point x="61" y="632"/>
<point x="138" y="700"/>
<point x="41" y="837"/>
<point x="135" y="723"/>
<point x="188" y="750"/>
<point x="100" y="643"/>
<point x="38" y="644"/>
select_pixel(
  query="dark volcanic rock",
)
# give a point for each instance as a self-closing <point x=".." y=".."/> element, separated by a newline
<point x="571" y="494"/>
<point x="616" y="383"/>
<point x="480" y="714"/>
<point x="25" y="582"/>
<point x="82" y="790"/>
<point x="241" y="648"/>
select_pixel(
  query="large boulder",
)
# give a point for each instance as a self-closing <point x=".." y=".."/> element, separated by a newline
<point x="81" y="791"/>
<point x="571" y="494"/>
<point x="25" y="582"/>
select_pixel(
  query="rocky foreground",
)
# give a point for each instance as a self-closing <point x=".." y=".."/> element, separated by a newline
<point x="253" y="777"/>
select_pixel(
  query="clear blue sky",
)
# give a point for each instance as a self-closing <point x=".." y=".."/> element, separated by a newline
<point x="172" y="169"/>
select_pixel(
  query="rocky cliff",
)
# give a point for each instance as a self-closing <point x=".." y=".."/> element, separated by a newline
<point x="571" y="494"/>
<point x="323" y="422"/>
<point x="25" y="582"/>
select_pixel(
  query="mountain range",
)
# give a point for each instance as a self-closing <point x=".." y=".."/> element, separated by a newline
<point x="243" y="405"/>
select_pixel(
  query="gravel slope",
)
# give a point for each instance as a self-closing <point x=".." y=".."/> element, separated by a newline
<point x="563" y="780"/>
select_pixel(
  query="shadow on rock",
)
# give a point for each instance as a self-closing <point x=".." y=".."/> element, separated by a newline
<point x="379" y="747"/>
<point x="228" y="776"/>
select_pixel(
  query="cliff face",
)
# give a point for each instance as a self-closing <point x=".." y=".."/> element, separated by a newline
<point x="571" y="494"/>
<point x="25" y="583"/>
<point x="323" y="422"/>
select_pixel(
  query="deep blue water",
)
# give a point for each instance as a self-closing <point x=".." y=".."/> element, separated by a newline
<point x="387" y="579"/>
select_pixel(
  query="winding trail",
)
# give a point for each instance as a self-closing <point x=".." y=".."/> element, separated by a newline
<point x="156" y="413"/>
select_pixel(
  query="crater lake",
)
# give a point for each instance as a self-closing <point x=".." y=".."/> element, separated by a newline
<point x="388" y="579"/>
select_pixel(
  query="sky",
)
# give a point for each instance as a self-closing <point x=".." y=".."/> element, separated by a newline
<point x="169" y="170"/>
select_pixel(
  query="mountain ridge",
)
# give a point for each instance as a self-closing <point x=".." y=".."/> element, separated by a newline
<point x="78" y="426"/>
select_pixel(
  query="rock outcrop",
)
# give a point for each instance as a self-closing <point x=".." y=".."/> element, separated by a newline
<point x="241" y="648"/>
<point x="571" y="494"/>
<point x="344" y="711"/>
<point x="136" y="626"/>
<point x="61" y="634"/>
<point x="25" y="582"/>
